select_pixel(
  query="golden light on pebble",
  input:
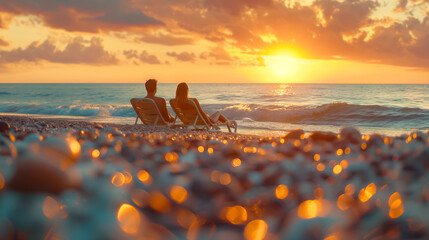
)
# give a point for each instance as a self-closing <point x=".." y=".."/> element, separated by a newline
<point x="347" y="150"/>
<point x="318" y="193"/>
<point x="337" y="169"/>
<point x="236" y="162"/>
<point x="144" y="177"/>
<point x="118" y="179"/>
<point x="50" y="207"/>
<point x="309" y="209"/>
<point x="74" y="145"/>
<point x="366" y="193"/>
<point x="171" y="157"/>
<point x="297" y="143"/>
<point x="396" y="207"/>
<point x="159" y="202"/>
<point x="210" y="150"/>
<point x="344" y="164"/>
<point x="2" y="181"/>
<point x="331" y="237"/>
<point x="215" y="175"/>
<point x="282" y="141"/>
<point x="139" y="197"/>
<point x="396" y="212"/>
<point x="95" y="153"/>
<point x="256" y="230"/>
<point x="274" y="144"/>
<point x="129" y="218"/>
<point x="395" y="200"/>
<point x="178" y="194"/>
<point x="316" y="157"/>
<point x="349" y="189"/>
<point x="128" y="177"/>
<point x="236" y="215"/>
<point x="340" y="152"/>
<point x="320" y="167"/>
<point x="282" y="191"/>
<point x="225" y="179"/>
<point x="185" y="218"/>
<point x="200" y="149"/>
<point x="345" y="201"/>
<point x="363" y="146"/>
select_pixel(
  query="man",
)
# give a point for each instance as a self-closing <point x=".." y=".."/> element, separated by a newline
<point x="160" y="102"/>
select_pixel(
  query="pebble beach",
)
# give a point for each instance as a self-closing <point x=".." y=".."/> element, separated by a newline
<point x="62" y="179"/>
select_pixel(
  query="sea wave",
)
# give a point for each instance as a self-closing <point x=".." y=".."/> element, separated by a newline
<point x="338" y="113"/>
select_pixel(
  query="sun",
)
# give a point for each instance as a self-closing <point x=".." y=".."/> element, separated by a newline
<point x="282" y="66"/>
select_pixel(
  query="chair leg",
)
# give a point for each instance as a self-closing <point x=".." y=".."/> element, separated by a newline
<point x="229" y="128"/>
<point x="137" y="118"/>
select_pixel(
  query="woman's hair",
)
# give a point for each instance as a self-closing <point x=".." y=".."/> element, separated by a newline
<point x="182" y="94"/>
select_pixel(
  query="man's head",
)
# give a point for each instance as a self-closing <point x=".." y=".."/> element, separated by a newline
<point x="151" y="86"/>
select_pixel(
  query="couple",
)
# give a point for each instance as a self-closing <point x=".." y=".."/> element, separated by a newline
<point x="184" y="102"/>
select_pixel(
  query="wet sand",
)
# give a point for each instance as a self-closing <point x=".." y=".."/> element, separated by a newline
<point x="63" y="179"/>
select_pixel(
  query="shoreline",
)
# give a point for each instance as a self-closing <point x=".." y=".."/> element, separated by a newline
<point x="74" y="179"/>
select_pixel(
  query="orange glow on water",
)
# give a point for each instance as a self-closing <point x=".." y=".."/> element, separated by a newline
<point x="309" y="209"/>
<point x="235" y="215"/>
<point x="129" y="218"/>
<point x="118" y="179"/>
<point x="282" y="191"/>
<point x="256" y="230"/>
<point x="364" y="146"/>
<point x="159" y="202"/>
<point x="347" y="150"/>
<point x="178" y="194"/>
<point x="51" y="207"/>
<point x="340" y="152"/>
<point x="366" y="193"/>
<point x="236" y="162"/>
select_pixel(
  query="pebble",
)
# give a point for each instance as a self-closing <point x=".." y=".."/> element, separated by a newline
<point x="4" y="127"/>
<point x="125" y="183"/>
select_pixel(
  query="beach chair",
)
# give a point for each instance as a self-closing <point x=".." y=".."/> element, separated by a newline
<point x="194" y="118"/>
<point x="148" y="112"/>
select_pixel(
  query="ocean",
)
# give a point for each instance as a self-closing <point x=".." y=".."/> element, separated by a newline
<point x="261" y="109"/>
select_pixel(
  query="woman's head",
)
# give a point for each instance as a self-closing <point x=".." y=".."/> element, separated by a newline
<point x="182" y="93"/>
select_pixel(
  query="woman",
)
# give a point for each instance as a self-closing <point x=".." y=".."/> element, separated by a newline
<point x="184" y="102"/>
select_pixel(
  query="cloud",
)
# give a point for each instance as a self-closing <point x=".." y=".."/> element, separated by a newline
<point x="165" y="39"/>
<point x="143" y="57"/>
<point x="217" y="53"/>
<point x="237" y="6"/>
<point x="401" y="7"/>
<point x="77" y="51"/>
<point x="183" y="56"/>
<point x="3" y="42"/>
<point x="82" y="15"/>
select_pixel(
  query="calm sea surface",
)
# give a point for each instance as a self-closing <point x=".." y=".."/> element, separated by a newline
<point x="267" y="109"/>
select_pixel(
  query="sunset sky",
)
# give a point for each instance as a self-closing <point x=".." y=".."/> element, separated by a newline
<point x="263" y="41"/>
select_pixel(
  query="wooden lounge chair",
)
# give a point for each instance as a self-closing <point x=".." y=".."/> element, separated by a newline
<point x="195" y="118"/>
<point x="148" y="112"/>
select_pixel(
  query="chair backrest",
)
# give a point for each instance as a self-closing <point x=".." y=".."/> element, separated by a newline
<point x="148" y="111"/>
<point x="188" y="116"/>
